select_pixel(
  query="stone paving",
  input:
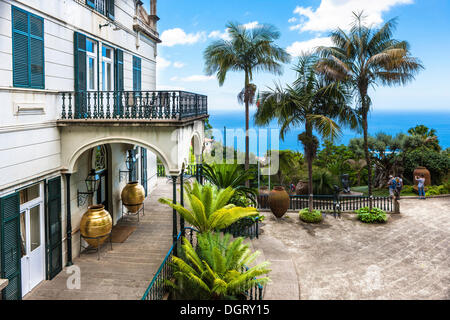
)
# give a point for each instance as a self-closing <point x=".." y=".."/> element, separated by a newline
<point x="407" y="258"/>
<point x="125" y="272"/>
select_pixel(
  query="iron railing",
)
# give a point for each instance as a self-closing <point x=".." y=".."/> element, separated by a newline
<point x="157" y="290"/>
<point x="328" y="202"/>
<point x="135" y="105"/>
<point x="246" y="228"/>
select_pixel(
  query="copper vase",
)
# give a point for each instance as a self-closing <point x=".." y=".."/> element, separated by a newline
<point x="278" y="201"/>
<point x="133" y="196"/>
<point x="96" y="223"/>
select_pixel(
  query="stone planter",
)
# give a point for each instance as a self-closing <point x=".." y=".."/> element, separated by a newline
<point x="96" y="222"/>
<point x="278" y="201"/>
<point x="133" y="196"/>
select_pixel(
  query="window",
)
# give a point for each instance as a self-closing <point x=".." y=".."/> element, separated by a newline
<point x="107" y="68"/>
<point x="105" y="7"/>
<point x="91" y="63"/>
<point x="28" y="49"/>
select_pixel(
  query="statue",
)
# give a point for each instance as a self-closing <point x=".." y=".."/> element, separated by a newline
<point x="345" y="183"/>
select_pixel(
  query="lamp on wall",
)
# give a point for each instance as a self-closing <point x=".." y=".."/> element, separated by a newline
<point x="130" y="163"/>
<point x="104" y="25"/>
<point x="92" y="181"/>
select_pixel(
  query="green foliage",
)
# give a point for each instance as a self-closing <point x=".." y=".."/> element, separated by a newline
<point x="323" y="181"/>
<point x="209" y="207"/>
<point x="216" y="270"/>
<point x="376" y="215"/>
<point x="437" y="163"/>
<point x="314" y="216"/>
<point x="438" y="190"/>
<point x="234" y="176"/>
<point x="427" y="137"/>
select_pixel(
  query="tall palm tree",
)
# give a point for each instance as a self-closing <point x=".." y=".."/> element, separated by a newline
<point x="312" y="102"/>
<point x="363" y="58"/>
<point x="249" y="51"/>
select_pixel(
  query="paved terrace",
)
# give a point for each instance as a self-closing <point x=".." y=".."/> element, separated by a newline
<point x="407" y="258"/>
<point x="125" y="272"/>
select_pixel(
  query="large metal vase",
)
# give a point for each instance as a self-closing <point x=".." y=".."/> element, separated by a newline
<point x="96" y="222"/>
<point x="133" y="196"/>
<point x="419" y="171"/>
<point x="278" y="201"/>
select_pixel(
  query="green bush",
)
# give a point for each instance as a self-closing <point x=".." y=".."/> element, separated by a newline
<point x="408" y="189"/>
<point x="375" y="215"/>
<point x="435" y="190"/>
<point x="311" y="217"/>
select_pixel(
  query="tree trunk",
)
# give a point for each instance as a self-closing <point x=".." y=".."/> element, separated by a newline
<point x="309" y="159"/>
<point x="247" y="116"/>
<point x="366" y="152"/>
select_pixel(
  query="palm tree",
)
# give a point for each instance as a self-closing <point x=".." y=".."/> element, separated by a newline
<point x="427" y="136"/>
<point x="363" y="58"/>
<point x="208" y="207"/>
<point x="248" y="50"/>
<point x="311" y="102"/>
<point x="357" y="166"/>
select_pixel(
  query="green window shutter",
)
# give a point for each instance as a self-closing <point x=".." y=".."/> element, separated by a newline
<point x="110" y="9"/>
<point x="21" y="52"/>
<point x="37" y="52"/>
<point x="90" y="3"/>
<point x="136" y="74"/>
<point x="28" y="49"/>
<point x="79" y="54"/>
<point x="54" y="230"/>
<point x="10" y="248"/>
<point x="118" y="83"/>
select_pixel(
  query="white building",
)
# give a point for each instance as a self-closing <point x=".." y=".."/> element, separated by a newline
<point x="77" y="85"/>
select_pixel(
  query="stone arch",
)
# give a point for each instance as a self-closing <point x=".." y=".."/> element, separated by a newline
<point x="79" y="150"/>
<point x="198" y="143"/>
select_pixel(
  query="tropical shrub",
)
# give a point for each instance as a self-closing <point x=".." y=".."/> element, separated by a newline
<point x="314" y="216"/>
<point x="232" y="175"/>
<point x="209" y="207"/>
<point x="437" y="190"/>
<point x="217" y="270"/>
<point x="375" y="215"/>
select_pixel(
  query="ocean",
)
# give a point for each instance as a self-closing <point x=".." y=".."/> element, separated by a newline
<point x="379" y="121"/>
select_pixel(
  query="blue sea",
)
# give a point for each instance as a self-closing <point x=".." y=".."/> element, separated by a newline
<point x="379" y="121"/>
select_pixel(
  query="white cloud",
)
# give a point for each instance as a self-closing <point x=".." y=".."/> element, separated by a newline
<point x="338" y="13"/>
<point x="251" y="25"/>
<point x="292" y="20"/>
<point x="217" y="34"/>
<point x="299" y="47"/>
<point x="162" y="63"/>
<point x="193" y="78"/>
<point x="178" y="64"/>
<point x="177" y="36"/>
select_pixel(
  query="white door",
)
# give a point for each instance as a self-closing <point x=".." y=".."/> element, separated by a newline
<point x="33" y="244"/>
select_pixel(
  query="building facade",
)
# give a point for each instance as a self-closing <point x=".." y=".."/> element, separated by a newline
<point x="77" y="85"/>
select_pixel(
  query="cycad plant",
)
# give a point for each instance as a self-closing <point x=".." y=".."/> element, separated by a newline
<point x="216" y="270"/>
<point x="231" y="175"/>
<point x="208" y="208"/>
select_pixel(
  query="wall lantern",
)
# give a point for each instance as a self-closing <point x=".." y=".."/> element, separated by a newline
<point x="130" y="163"/>
<point x="92" y="181"/>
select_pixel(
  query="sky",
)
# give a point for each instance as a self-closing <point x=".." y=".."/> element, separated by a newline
<point x="187" y="27"/>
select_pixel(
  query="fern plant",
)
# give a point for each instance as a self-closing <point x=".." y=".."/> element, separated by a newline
<point x="216" y="270"/>
<point x="208" y="209"/>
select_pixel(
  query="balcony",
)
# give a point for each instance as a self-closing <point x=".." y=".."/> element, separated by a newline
<point x="132" y="106"/>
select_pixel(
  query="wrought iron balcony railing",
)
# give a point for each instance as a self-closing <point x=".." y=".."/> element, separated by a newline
<point x="138" y="105"/>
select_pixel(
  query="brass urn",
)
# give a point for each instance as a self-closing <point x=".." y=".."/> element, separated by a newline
<point x="133" y="196"/>
<point x="279" y="201"/>
<point x="96" y="222"/>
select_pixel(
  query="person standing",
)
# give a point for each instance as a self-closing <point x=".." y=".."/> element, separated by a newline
<point x="421" y="185"/>
<point x="399" y="182"/>
<point x="392" y="186"/>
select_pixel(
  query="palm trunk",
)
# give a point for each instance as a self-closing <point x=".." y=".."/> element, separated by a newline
<point x="247" y="116"/>
<point x="367" y="154"/>
<point x="309" y="159"/>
